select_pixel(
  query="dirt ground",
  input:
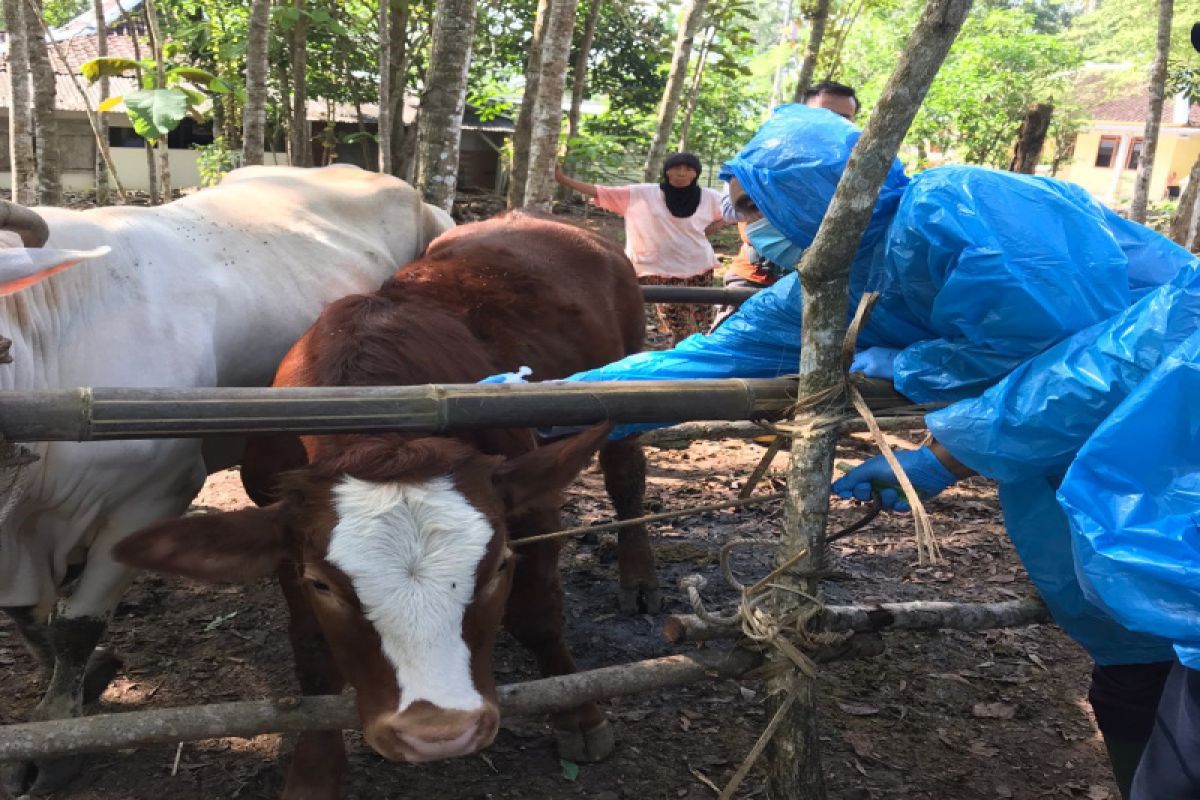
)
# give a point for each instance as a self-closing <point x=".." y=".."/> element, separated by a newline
<point x="945" y="716"/>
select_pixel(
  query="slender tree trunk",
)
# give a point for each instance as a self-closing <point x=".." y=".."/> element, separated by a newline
<point x="1158" y="81"/>
<point x="521" y="134"/>
<point x="693" y="96"/>
<point x="1030" y="138"/>
<point x="156" y="47"/>
<point x="835" y="59"/>
<point x="443" y="101"/>
<point x="793" y="761"/>
<point x="693" y="15"/>
<point x="398" y="59"/>
<point x="580" y="71"/>
<point x="546" y="129"/>
<point x="384" y="134"/>
<point x="818" y="19"/>
<point x="254" y="117"/>
<point x="1182" y="221"/>
<point x="784" y="32"/>
<point x="45" y="121"/>
<point x="20" y="121"/>
<point x="301" y="141"/>
<point x="151" y="165"/>
<point x="102" y="198"/>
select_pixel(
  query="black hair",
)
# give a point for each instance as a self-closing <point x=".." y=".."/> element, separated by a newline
<point x="686" y="159"/>
<point x="831" y="87"/>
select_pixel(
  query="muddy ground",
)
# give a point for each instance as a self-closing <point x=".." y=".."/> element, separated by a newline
<point x="946" y="716"/>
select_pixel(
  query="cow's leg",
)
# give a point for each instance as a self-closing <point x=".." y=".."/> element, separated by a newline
<point x="33" y="633"/>
<point x="534" y="616"/>
<point x="319" y="758"/>
<point x="624" y="466"/>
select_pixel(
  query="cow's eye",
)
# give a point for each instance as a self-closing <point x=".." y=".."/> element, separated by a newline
<point x="320" y="586"/>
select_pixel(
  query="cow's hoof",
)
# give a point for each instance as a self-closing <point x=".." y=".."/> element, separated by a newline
<point x="15" y="778"/>
<point x="55" y="775"/>
<point x="639" y="599"/>
<point x="103" y="666"/>
<point x="585" y="747"/>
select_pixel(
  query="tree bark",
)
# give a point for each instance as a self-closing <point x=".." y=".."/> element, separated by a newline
<point x="151" y="165"/>
<point x="156" y="47"/>
<point x="384" y="133"/>
<point x="579" y="76"/>
<point x="1158" y="81"/>
<point x="819" y="18"/>
<point x="693" y="96"/>
<point x="443" y="101"/>
<point x="45" y="121"/>
<point x="1030" y="139"/>
<point x="1181" y="223"/>
<point x="324" y="712"/>
<point x="794" y="767"/>
<point x="254" y="116"/>
<point x="693" y="15"/>
<point x="546" y="124"/>
<point x="398" y="59"/>
<point x="101" y="121"/>
<point x="301" y="142"/>
<point x="20" y="119"/>
<point x="519" y="173"/>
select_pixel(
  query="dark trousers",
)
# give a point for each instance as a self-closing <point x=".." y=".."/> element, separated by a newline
<point x="1170" y="766"/>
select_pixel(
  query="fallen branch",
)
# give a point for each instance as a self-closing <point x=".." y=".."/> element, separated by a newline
<point x="683" y="434"/>
<point x="291" y="714"/>
<point x="913" y="616"/>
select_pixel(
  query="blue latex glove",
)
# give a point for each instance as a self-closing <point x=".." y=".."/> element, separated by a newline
<point x="875" y="362"/>
<point x="510" y="377"/>
<point x="927" y="474"/>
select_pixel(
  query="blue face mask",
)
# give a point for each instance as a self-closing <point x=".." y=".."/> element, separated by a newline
<point x="773" y="245"/>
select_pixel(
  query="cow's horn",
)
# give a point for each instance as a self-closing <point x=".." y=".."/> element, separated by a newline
<point x="24" y="221"/>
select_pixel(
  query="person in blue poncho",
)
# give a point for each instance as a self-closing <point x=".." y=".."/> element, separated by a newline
<point x="984" y="276"/>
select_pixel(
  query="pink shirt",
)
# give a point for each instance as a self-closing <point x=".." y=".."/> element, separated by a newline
<point x="656" y="242"/>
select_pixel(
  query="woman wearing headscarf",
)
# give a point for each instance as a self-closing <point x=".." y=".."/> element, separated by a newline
<point x="666" y="234"/>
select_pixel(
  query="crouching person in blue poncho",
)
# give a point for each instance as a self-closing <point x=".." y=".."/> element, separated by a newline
<point x="1021" y="301"/>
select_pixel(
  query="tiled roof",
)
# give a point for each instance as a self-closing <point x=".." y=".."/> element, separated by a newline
<point x="1133" y="108"/>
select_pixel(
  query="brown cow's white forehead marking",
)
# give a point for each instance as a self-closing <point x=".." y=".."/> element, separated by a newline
<point x="411" y="552"/>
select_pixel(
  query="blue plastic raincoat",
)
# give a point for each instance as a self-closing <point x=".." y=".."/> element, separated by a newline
<point x="979" y="272"/>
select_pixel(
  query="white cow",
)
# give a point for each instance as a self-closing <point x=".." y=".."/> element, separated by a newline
<point x="210" y="290"/>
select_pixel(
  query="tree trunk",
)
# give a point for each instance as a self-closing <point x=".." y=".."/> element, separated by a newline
<point x="156" y="49"/>
<point x="398" y="58"/>
<point x="1030" y="139"/>
<point x="20" y="120"/>
<point x="693" y="96"/>
<point x="1182" y="221"/>
<point x="151" y="166"/>
<point x="546" y="127"/>
<point x="301" y="142"/>
<point x="1158" y="81"/>
<point x="101" y="121"/>
<point x="818" y="19"/>
<point x="383" y="134"/>
<point x="777" y="81"/>
<point x="794" y="767"/>
<point x="254" y="117"/>
<point x="443" y="101"/>
<point x="693" y="14"/>
<point x="45" y="122"/>
<point x="580" y="73"/>
<point x="521" y="134"/>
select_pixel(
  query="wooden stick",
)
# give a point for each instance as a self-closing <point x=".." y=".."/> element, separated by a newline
<point x="913" y="616"/>
<point x="326" y="712"/>
<point x="685" y="433"/>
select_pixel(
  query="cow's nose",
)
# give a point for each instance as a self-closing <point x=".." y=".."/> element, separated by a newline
<point x="432" y="737"/>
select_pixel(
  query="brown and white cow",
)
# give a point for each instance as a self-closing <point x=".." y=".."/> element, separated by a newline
<point x="393" y="551"/>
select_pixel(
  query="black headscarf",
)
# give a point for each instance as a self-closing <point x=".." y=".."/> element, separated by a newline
<point x="681" y="202"/>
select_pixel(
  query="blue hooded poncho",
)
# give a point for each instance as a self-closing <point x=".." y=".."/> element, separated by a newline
<point x="988" y="280"/>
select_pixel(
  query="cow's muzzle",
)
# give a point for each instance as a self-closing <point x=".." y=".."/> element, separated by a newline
<point x="424" y="732"/>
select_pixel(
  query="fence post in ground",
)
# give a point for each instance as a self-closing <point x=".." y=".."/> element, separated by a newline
<point x="794" y="768"/>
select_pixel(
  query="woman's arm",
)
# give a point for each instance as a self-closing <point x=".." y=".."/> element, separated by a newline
<point x="579" y="186"/>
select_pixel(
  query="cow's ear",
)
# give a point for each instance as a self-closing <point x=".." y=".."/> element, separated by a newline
<point x="22" y="267"/>
<point x="536" y="478"/>
<point x="233" y="546"/>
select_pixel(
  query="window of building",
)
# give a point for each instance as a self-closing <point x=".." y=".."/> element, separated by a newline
<point x="1135" y="154"/>
<point x="1106" y="154"/>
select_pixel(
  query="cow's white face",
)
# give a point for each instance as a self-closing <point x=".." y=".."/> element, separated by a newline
<point x="411" y="552"/>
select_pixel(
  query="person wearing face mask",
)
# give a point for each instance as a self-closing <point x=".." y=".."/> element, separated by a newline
<point x="666" y="234"/>
<point x="1020" y="301"/>
<point x="750" y="269"/>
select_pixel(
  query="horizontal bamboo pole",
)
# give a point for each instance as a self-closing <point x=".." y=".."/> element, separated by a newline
<point x="288" y="715"/>
<point x="696" y="295"/>
<point x="103" y="414"/>
<point x="912" y="616"/>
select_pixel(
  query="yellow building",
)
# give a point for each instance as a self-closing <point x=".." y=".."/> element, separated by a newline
<point x="1109" y="145"/>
